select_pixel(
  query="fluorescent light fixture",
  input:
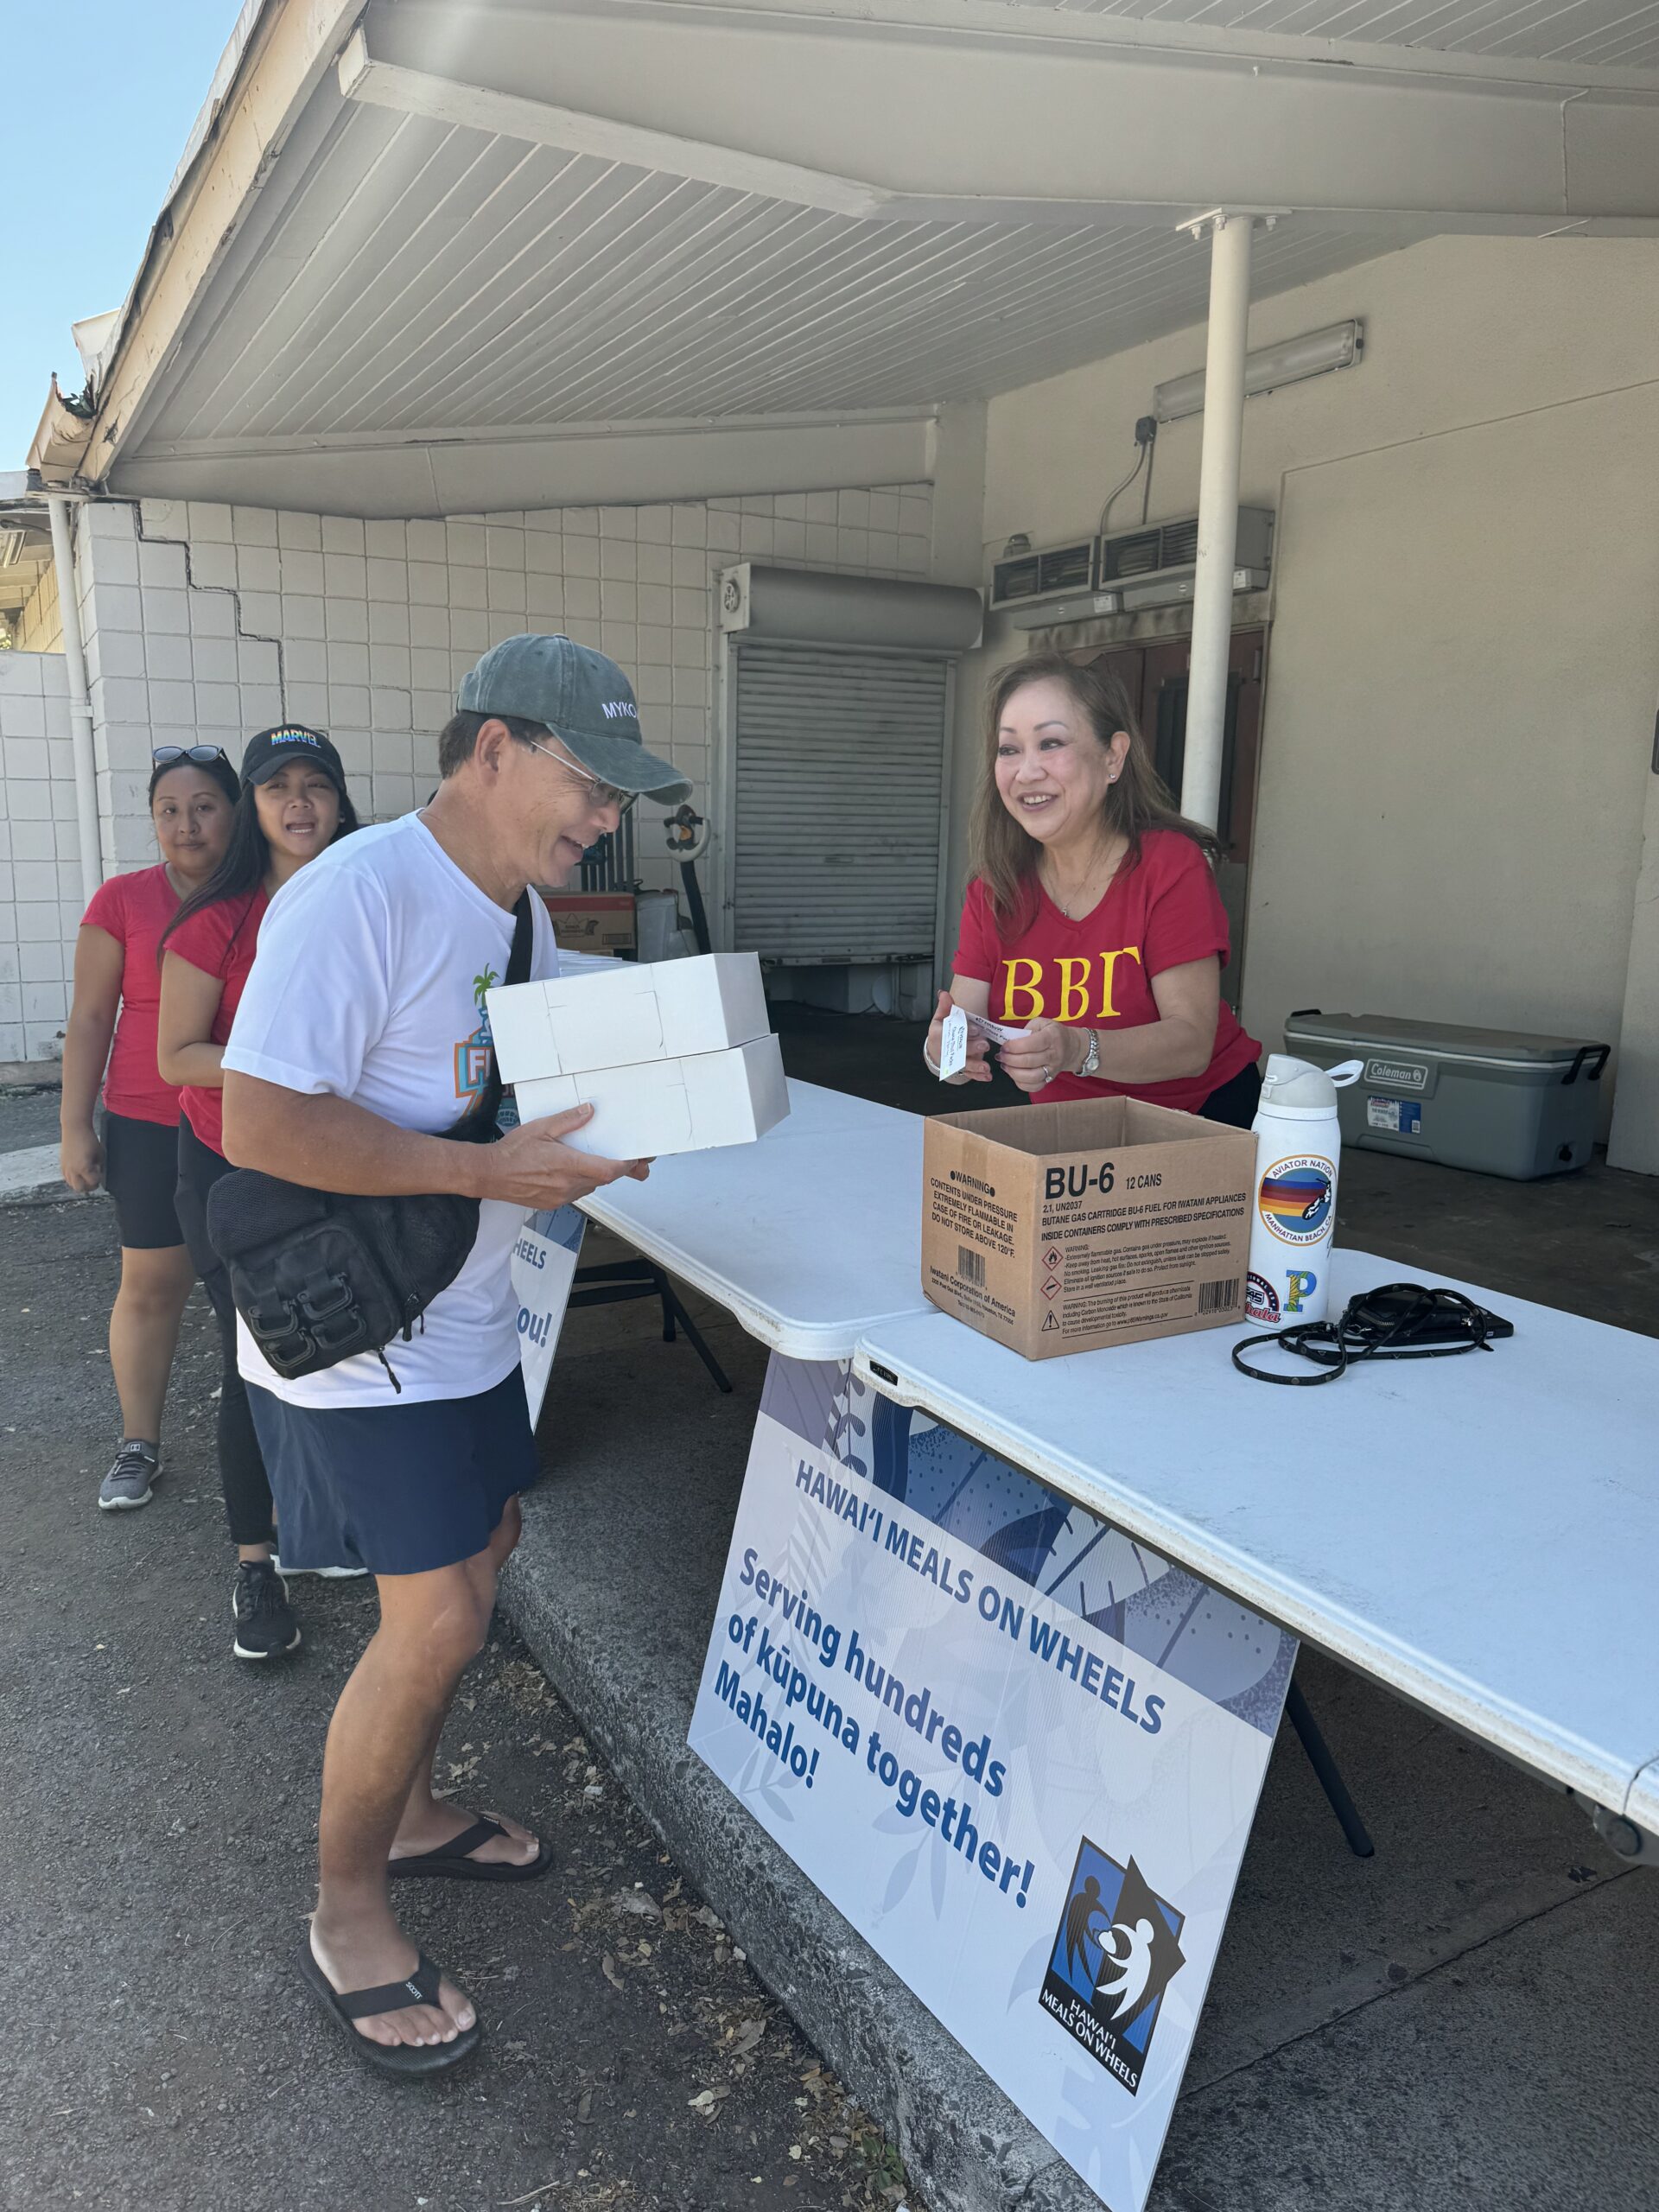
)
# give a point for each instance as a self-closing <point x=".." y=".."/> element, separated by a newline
<point x="1313" y="355"/>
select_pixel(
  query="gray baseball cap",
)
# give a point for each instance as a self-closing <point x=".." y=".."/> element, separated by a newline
<point x="583" y="698"/>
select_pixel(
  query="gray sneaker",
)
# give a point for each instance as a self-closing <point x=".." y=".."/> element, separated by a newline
<point x="133" y="1476"/>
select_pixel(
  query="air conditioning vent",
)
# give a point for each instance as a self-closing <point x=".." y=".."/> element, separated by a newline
<point x="1138" y="554"/>
<point x="1180" y="543"/>
<point x="1070" y="569"/>
<point x="1043" y="574"/>
<point x="1019" y="579"/>
<point x="1165" y="553"/>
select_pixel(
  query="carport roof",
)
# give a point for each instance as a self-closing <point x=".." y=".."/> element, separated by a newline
<point x="425" y="258"/>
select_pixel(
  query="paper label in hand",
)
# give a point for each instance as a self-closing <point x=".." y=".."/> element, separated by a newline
<point x="998" y="1032"/>
<point x="953" y="1044"/>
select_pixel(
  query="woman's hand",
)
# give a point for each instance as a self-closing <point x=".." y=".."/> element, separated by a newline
<point x="1043" y="1051"/>
<point x="80" y="1160"/>
<point x="978" y="1068"/>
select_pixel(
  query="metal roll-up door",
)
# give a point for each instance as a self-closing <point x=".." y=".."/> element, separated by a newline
<point x="839" y="762"/>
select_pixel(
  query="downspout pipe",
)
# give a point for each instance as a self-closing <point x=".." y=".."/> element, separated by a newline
<point x="1231" y="236"/>
<point x="80" y="703"/>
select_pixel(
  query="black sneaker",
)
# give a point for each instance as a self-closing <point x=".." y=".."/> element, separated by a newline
<point x="265" y="1626"/>
<point x="131" y="1479"/>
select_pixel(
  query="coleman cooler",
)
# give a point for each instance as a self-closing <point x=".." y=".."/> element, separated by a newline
<point x="1497" y="1100"/>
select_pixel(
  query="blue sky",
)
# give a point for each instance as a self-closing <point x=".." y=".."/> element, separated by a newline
<point x="100" y="100"/>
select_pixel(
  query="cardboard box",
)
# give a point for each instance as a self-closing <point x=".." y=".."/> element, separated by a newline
<point x="652" y="1108"/>
<point x="1068" y="1227"/>
<point x="592" y="921"/>
<point x="627" y="1013"/>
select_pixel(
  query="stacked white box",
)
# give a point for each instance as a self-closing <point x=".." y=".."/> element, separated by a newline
<point x="658" y="1010"/>
<point x="652" y="1108"/>
<point x="673" y="1056"/>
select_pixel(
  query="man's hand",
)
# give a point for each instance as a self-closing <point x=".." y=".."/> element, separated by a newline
<point x="532" y="1167"/>
<point x="80" y="1160"/>
<point x="1042" y="1051"/>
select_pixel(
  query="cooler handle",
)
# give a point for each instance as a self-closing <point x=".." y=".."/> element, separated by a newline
<point x="1297" y="1012"/>
<point x="1598" y="1052"/>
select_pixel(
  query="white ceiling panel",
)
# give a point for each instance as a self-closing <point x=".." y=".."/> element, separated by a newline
<point x="1595" y="34"/>
<point x="428" y="280"/>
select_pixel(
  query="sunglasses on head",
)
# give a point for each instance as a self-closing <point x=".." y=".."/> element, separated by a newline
<point x="163" y="756"/>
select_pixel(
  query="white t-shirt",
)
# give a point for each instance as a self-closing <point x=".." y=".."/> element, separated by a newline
<point x="369" y="984"/>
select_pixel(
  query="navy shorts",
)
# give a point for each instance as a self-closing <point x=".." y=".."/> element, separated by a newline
<point x="400" y="1490"/>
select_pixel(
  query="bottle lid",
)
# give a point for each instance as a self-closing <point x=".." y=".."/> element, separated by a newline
<point x="1298" y="1087"/>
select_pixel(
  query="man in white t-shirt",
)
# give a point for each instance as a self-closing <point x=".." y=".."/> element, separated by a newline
<point x="362" y="1036"/>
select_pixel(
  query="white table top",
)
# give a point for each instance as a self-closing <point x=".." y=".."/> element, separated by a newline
<point x="810" y="1237"/>
<point x="1479" y="1533"/>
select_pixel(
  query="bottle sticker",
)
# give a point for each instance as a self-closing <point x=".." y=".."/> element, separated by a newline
<point x="1294" y="1198"/>
<point x="1260" y="1302"/>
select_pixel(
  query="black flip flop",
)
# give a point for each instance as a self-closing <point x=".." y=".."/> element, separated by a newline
<point x="348" y="2005"/>
<point x="450" y="1862"/>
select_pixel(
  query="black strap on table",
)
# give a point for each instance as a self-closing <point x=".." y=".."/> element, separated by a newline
<point x="1400" y="1321"/>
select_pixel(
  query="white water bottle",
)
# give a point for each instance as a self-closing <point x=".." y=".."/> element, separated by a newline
<point x="1298" y="1144"/>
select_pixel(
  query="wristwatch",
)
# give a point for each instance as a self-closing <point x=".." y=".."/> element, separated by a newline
<point x="1091" y="1058"/>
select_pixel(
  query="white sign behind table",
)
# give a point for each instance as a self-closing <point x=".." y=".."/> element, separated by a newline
<point x="1018" y="1751"/>
<point x="543" y="1268"/>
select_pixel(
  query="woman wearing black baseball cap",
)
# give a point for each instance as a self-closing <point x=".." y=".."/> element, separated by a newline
<point x="293" y="805"/>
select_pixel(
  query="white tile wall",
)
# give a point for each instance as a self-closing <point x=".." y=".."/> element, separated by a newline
<point x="39" y="624"/>
<point x="40" y="855"/>
<point x="205" y="622"/>
<point x="377" y="622"/>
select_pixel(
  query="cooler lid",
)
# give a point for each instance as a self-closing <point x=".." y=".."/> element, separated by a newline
<point x="1447" y="1039"/>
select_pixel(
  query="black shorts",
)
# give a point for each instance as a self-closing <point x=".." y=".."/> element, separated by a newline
<point x="141" y="1170"/>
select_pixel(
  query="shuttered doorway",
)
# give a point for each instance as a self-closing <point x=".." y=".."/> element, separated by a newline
<point x="837" y="792"/>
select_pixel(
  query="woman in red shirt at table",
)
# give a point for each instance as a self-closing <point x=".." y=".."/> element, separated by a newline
<point x="294" y="803"/>
<point x="117" y="986"/>
<point x="1093" y="921"/>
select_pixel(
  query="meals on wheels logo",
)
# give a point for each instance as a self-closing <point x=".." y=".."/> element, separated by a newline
<point x="1295" y="1198"/>
<point x="1116" y="1950"/>
<point x="476" y="1055"/>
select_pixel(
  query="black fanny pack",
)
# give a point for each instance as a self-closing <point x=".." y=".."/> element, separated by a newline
<point x="321" y="1276"/>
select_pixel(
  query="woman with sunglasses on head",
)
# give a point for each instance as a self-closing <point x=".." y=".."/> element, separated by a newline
<point x="116" y="992"/>
<point x="293" y="805"/>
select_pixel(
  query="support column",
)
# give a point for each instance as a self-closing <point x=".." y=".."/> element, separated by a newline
<point x="1633" y="1140"/>
<point x="81" y="705"/>
<point x="1212" y="591"/>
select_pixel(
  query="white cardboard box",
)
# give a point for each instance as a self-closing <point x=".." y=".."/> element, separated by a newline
<point x="652" y="1108"/>
<point x="659" y="1010"/>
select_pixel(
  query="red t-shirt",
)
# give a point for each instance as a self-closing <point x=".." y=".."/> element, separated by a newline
<point x="222" y="940"/>
<point x="134" y="910"/>
<point x="1098" y="970"/>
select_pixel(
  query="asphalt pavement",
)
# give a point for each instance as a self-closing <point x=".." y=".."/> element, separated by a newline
<point x="155" y="1867"/>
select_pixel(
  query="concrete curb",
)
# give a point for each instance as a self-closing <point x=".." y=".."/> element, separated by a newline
<point x="613" y="1590"/>
<point x="31" y="1177"/>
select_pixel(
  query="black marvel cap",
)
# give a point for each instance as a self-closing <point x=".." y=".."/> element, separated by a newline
<point x="273" y="748"/>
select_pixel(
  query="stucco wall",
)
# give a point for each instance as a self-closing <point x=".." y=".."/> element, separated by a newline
<point x="1465" y="656"/>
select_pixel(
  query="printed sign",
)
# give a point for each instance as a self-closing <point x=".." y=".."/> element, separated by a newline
<point x="544" y="1260"/>
<point x="1018" y="1751"/>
